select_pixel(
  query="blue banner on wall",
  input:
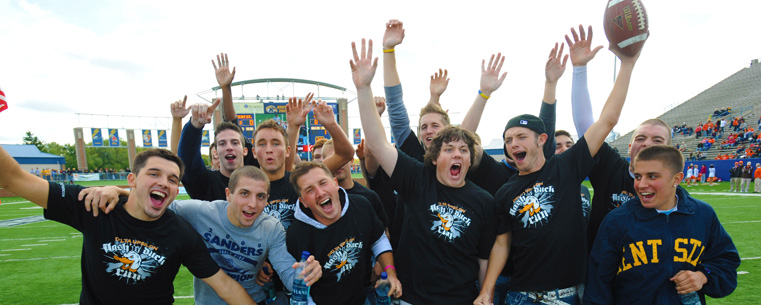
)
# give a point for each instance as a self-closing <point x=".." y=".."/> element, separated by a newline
<point x="162" y="138"/>
<point x="113" y="136"/>
<point x="97" y="137"/>
<point x="147" y="138"/>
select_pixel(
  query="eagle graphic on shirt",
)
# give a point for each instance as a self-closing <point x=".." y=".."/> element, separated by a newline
<point x="343" y="258"/>
<point x="533" y="207"/>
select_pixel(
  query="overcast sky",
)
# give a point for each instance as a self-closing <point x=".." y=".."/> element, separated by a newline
<point x="58" y="58"/>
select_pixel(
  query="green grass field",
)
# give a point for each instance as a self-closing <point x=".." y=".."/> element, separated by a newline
<point x="39" y="262"/>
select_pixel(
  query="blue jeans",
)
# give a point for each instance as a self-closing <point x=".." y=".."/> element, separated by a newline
<point x="521" y="298"/>
<point x="500" y="289"/>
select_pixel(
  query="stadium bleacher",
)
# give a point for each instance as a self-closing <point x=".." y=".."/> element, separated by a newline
<point x="741" y="91"/>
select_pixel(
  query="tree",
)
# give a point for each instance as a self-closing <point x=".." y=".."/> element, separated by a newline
<point x="67" y="151"/>
<point x="31" y="139"/>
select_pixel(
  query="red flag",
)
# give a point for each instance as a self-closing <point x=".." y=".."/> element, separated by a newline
<point x="3" y="103"/>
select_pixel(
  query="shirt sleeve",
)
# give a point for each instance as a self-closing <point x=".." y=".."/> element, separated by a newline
<point x="407" y="176"/>
<point x="720" y="262"/>
<point x="198" y="260"/>
<point x="196" y="176"/>
<point x="64" y="206"/>
<point x="581" y="103"/>
<point x="548" y="114"/>
<point x="278" y="255"/>
<point x="397" y="113"/>
<point x="580" y="158"/>
<point x="603" y="265"/>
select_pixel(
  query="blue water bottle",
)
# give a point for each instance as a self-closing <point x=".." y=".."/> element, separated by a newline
<point x="382" y="289"/>
<point x="300" y="289"/>
<point x="691" y="298"/>
<point x="269" y="289"/>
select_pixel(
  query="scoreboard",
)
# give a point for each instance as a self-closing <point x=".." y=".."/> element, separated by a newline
<point x="251" y="115"/>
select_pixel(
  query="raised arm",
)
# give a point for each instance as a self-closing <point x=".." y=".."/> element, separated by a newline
<point x="581" y="53"/>
<point x="553" y="70"/>
<point x="225" y="79"/>
<point x="189" y="149"/>
<point x="490" y="82"/>
<point x="363" y="68"/>
<point x="296" y="115"/>
<point x="597" y="133"/>
<point x="397" y="112"/>
<point x="344" y="150"/>
<point x="22" y="183"/>
<point x="179" y="112"/>
<point x="439" y="83"/>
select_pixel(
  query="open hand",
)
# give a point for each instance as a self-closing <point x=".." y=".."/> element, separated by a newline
<point x="222" y="70"/>
<point x="581" y="48"/>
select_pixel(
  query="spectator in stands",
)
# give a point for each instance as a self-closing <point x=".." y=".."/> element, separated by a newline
<point x="757" y="177"/>
<point x="718" y="156"/>
<point x="716" y="113"/>
<point x="722" y="125"/>
<point x="699" y="131"/>
<point x="701" y="156"/>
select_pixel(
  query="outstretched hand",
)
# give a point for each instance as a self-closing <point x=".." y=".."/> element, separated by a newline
<point x="581" y="48"/>
<point x="439" y="82"/>
<point x="490" y="78"/>
<point x="630" y="60"/>
<point x="380" y="104"/>
<point x="323" y="112"/>
<point x="363" y="65"/>
<point x="555" y="67"/>
<point x="201" y="114"/>
<point x="360" y="150"/>
<point x="178" y="109"/>
<point x="297" y="109"/>
<point x="394" y="34"/>
<point x="222" y="70"/>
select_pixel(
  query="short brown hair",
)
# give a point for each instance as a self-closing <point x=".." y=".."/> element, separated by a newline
<point x="561" y="132"/>
<point x="433" y="108"/>
<point x="273" y="125"/>
<point x="248" y="171"/>
<point x="657" y="122"/>
<point x="449" y="134"/>
<point x="229" y="126"/>
<point x="318" y="144"/>
<point x="670" y="156"/>
<point x="302" y="169"/>
<point x="143" y="157"/>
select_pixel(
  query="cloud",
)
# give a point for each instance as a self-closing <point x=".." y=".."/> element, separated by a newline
<point x="46" y="106"/>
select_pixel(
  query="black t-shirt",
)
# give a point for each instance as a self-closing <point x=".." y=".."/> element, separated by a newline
<point x="543" y="210"/>
<point x="282" y="201"/>
<point x="373" y="198"/>
<point x="613" y="185"/>
<point x="207" y="185"/>
<point x="490" y="174"/>
<point x="446" y="230"/>
<point x="126" y="260"/>
<point x="344" y="248"/>
<point x="392" y="204"/>
<point x="412" y="147"/>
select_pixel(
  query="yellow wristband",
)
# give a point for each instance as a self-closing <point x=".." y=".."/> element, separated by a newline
<point x="483" y="95"/>
<point x="388" y="50"/>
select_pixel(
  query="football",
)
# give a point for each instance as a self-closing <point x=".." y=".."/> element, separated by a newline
<point x="626" y="25"/>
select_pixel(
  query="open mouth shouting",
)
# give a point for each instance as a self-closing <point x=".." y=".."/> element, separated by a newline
<point x="157" y="198"/>
<point x="519" y="156"/>
<point x="230" y="158"/>
<point x="455" y="170"/>
<point x="646" y="196"/>
<point x="326" y="205"/>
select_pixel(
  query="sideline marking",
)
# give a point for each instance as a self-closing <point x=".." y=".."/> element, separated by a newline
<point x="32" y="245"/>
<point x="16" y="249"/>
<point x="742" y="272"/>
<point x="36" y="258"/>
<point x="21" y="221"/>
<point x="747" y="221"/>
<point x="750" y="258"/>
